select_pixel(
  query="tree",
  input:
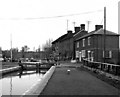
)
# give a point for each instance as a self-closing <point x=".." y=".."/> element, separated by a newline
<point x="24" y="49"/>
<point x="14" y="52"/>
<point x="48" y="44"/>
<point x="7" y="53"/>
<point x="47" y="48"/>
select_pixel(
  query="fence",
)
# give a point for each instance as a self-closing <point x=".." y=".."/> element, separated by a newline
<point x="110" y="68"/>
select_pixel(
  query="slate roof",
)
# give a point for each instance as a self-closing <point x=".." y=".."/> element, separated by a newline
<point x="98" y="32"/>
<point x="59" y="39"/>
<point x="68" y="36"/>
<point x="78" y="32"/>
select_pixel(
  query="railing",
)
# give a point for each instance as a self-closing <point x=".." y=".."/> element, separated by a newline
<point x="110" y="68"/>
<point x="25" y="65"/>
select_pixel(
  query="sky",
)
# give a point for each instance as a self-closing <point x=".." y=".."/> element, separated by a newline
<point x="33" y="22"/>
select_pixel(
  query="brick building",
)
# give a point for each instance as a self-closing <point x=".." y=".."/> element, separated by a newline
<point x="79" y="32"/>
<point x="29" y="54"/>
<point x="91" y="46"/>
<point x="66" y="46"/>
<point x="56" y="46"/>
<point x="63" y="46"/>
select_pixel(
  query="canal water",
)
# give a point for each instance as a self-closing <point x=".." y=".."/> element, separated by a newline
<point x="19" y="82"/>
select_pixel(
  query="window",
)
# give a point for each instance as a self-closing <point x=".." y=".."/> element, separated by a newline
<point x="77" y="44"/>
<point x="83" y="53"/>
<point x="89" y="40"/>
<point x="107" y="54"/>
<point x="83" y="42"/>
<point x="92" y="58"/>
<point x="77" y="54"/>
<point x="110" y="54"/>
<point x="103" y="54"/>
<point x="88" y="55"/>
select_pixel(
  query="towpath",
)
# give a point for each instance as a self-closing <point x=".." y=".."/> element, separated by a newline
<point x="78" y="82"/>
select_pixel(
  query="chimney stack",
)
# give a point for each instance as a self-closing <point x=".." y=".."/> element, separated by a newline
<point x="82" y="26"/>
<point x="97" y="27"/>
<point x="69" y="31"/>
<point x="77" y="29"/>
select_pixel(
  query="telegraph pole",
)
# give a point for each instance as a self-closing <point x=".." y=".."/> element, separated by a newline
<point x="104" y="34"/>
<point x="119" y="27"/>
<point x="88" y="22"/>
<point x="39" y="52"/>
<point x="67" y="24"/>
<point x="74" y="25"/>
<point x="11" y="46"/>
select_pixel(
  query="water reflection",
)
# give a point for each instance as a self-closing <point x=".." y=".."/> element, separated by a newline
<point x="11" y="86"/>
<point x="17" y="83"/>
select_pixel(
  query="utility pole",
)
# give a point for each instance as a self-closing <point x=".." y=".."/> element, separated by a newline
<point x="119" y="27"/>
<point x="88" y="23"/>
<point x="104" y="34"/>
<point x="67" y="24"/>
<point x="73" y="57"/>
<point x="74" y="24"/>
<point x="39" y="51"/>
<point x="11" y="46"/>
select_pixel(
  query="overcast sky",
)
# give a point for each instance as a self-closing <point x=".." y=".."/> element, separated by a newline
<point x="32" y="22"/>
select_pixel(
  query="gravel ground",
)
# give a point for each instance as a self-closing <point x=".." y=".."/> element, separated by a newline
<point x="78" y="82"/>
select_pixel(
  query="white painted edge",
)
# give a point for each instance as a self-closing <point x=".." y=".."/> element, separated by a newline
<point x="38" y="87"/>
<point x="9" y="69"/>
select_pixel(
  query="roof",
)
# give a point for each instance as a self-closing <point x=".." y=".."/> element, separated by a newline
<point x="59" y="39"/>
<point x="78" y="32"/>
<point x="68" y="36"/>
<point x="64" y="37"/>
<point x="98" y="32"/>
<point x="101" y="31"/>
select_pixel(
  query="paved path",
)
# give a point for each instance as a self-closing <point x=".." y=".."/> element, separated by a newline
<point x="78" y="82"/>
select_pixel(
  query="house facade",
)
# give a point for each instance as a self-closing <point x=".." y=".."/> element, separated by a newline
<point x="66" y="46"/>
<point x="63" y="46"/>
<point x="93" y="47"/>
<point x="79" y="32"/>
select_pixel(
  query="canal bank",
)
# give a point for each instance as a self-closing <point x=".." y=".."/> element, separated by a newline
<point x="23" y="66"/>
<point x="16" y="83"/>
<point x="16" y="77"/>
<point x="8" y="70"/>
<point x="76" y="82"/>
<point x="38" y="87"/>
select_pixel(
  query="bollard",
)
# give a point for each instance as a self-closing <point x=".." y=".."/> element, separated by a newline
<point x="68" y="71"/>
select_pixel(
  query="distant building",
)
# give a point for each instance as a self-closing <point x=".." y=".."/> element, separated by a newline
<point x="66" y="46"/>
<point x="29" y="54"/>
<point x="63" y="46"/>
<point x="91" y="46"/>
<point x="56" y="46"/>
<point x="0" y="54"/>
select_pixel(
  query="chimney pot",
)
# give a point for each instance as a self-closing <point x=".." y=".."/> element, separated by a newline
<point x="97" y="27"/>
<point x="77" y="29"/>
<point x="69" y="31"/>
<point x="82" y="26"/>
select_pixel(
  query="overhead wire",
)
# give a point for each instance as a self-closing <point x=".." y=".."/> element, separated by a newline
<point x="60" y="16"/>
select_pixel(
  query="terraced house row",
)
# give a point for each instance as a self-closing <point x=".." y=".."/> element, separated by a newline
<point x="93" y="46"/>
